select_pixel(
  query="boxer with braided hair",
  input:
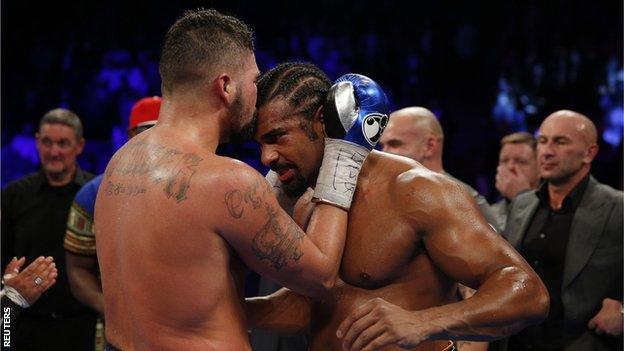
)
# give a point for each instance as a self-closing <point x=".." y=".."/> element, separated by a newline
<point x="412" y="234"/>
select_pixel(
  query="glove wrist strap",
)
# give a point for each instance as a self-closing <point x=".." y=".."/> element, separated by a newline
<point x="337" y="179"/>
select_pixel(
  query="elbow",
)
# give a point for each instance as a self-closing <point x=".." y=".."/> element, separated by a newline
<point x="322" y="288"/>
<point x="536" y="300"/>
<point x="541" y="303"/>
<point x="329" y="283"/>
<point x="323" y="283"/>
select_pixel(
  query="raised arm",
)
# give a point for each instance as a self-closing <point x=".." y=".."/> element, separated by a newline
<point x="283" y="312"/>
<point x="509" y="294"/>
<point x="272" y="244"/>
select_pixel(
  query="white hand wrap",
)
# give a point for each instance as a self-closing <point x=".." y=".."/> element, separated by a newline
<point x="15" y="296"/>
<point x="337" y="177"/>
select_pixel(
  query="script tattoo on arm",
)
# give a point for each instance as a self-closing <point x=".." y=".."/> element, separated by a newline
<point x="277" y="244"/>
<point x="274" y="242"/>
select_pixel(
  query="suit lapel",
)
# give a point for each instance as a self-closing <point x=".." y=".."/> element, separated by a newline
<point x="519" y="220"/>
<point x="587" y="226"/>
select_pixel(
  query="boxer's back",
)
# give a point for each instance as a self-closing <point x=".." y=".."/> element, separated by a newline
<point x="176" y="279"/>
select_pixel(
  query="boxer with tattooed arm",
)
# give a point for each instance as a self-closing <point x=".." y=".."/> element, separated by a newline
<point x="176" y="223"/>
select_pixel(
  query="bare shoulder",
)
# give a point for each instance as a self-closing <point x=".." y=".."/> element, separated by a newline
<point x="415" y="186"/>
<point x="238" y="184"/>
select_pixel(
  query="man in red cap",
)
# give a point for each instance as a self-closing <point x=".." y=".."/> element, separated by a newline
<point x="144" y="115"/>
<point x="82" y="264"/>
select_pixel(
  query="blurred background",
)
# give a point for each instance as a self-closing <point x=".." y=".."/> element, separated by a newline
<point x="486" y="68"/>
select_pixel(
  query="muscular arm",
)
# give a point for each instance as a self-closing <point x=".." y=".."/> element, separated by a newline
<point x="84" y="281"/>
<point x="509" y="294"/>
<point x="283" y="312"/>
<point x="270" y="242"/>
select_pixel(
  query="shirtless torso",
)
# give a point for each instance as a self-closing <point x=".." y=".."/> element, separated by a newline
<point x="172" y="220"/>
<point x="412" y="234"/>
<point x="167" y="256"/>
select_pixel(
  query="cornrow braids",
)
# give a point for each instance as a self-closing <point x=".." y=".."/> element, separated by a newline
<point x="303" y="85"/>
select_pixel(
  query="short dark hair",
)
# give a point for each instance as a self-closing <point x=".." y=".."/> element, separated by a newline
<point x="199" y="41"/>
<point x="520" y="138"/>
<point x="65" y="117"/>
<point x="303" y="85"/>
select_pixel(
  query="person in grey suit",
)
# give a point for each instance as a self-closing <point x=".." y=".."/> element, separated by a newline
<point x="415" y="132"/>
<point x="516" y="172"/>
<point x="570" y="232"/>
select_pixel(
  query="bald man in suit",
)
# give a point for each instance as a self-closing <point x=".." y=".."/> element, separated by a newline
<point x="570" y="232"/>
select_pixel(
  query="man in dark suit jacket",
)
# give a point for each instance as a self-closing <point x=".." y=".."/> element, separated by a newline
<point x="570" y="231"/>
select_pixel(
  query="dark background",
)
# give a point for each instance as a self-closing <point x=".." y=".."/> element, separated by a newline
<point x="486" y="68"/>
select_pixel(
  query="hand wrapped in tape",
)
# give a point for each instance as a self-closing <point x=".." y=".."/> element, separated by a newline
<point x="355" y="114"/>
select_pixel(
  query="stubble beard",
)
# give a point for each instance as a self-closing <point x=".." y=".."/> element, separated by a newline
<point x="240" y="132"/>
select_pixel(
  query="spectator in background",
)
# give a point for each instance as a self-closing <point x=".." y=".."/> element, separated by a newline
<point x="82" y="264"/>
<point x="34" y="213"/>
<point x="415" y="132"/>
<point x="22" y="289"/>
<point x="516" y="172"/>
<point x="570" y="232"/>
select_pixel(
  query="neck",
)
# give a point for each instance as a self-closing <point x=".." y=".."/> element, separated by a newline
<point x="200" y="122"/>
<point x="433" y="164"/>
<point x="61" y="179"/>
<point x="557" y="191"/>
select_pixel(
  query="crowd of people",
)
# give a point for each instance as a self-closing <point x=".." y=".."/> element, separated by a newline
<point x="376" y="246"/>
<point x="485" y="72"/>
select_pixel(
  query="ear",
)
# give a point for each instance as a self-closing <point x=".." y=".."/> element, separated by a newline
<point x="81" y="145"/>
<point x="590" y="153"/>
<point x="224" y="88"/>
<point x="431" y="146"/>
<point x="317" y="120"/>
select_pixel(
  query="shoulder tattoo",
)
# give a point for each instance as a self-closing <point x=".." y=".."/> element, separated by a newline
<point x="145" y="162"/>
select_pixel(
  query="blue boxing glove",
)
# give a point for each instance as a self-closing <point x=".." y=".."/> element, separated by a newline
<point x="355" y="114"/>
<point x="356" y="110"/>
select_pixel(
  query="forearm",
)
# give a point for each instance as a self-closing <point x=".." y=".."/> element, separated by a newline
<point x="86" y="287"/>
<point x="508" y="301"/>
<point x="283" y="312"/>
<point x="327" y="219"/>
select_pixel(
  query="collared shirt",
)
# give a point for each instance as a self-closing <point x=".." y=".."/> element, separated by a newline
<point x="544" y="248"/>
<point x="34" y="215"/>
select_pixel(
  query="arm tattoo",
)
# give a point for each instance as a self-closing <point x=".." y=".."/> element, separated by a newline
<point x="234" y="203"/>
<point x="277" y="244"/>
<point x="274" y="242"/>
<point x="253" y="195"/>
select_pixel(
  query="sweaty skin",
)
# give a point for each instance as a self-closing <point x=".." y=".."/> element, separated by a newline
<point x="168" y="225"/>
<point x="175" y="222"/>
<point x="413" y="234"/>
